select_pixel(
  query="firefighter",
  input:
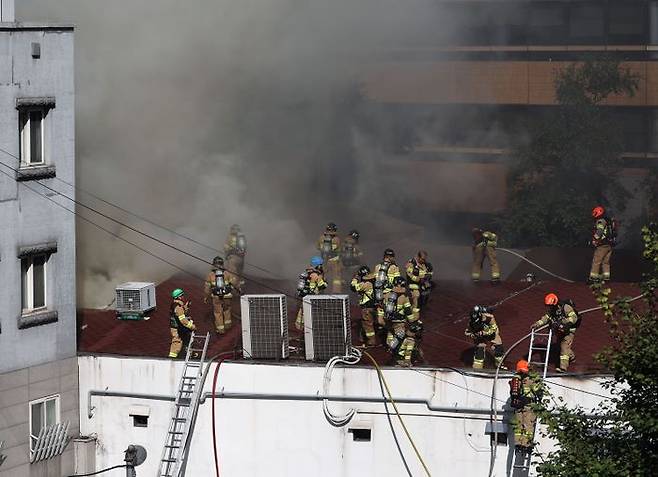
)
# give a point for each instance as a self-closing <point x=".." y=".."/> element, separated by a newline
<point x="363" y="283"/>
<point x="385" y="273"/>
<point x="329" y="247"/>
<point x="220" y="285"/>
<point x="180" y="323"/>
<point x="563" y="319"/>
<point x="526" y="390"/>
<point x="484" y="245"/>
<point x="404" y="328"/>
<point x="482" y="327"/>
<point x="311" y="282"/>
<point x="235" y="250"/>
<point x="419" y="277"/>
<point x="604" y="237"/>
<point x="351" y="251"/>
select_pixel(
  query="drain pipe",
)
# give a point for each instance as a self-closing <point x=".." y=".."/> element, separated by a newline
<point x="289" y="397"/>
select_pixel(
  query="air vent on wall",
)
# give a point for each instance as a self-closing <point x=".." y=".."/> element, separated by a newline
<point x="264" y="326"/>
<point x="326" y="326"/>
<point x="134" y="299"/>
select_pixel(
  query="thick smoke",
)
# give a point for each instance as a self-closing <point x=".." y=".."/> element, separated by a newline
<point x="204" y="113"/>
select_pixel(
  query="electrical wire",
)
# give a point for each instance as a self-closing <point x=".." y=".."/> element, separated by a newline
<point x="397" y="412"/>
<point x="535" y="265"/>
<point x="100" y="471"/>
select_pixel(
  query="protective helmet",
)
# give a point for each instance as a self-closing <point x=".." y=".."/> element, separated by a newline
<point x="476" y="231"/>
<point x="522" y="366"/>
<point x="479" y="309"/>
<point x="399" y="282"/>
<point x="331" y="227"/>
<point x="355" y="234"/>
<point x="364" y="270"/>
<point x="218" y="262"/>
<point x="178" y="292"/>
<point x="316" y="261"/>
<point x="389" y="252"/>
<point x="235" y="228"/>
<point x="422" y="255"/>
<point x="551" y="299"/>
<point x="598" y="211"/>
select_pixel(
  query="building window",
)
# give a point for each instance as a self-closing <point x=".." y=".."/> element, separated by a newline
<point x="33" y="282"/>
<point x="32" y="127"/>
<point x="44" y="413"/>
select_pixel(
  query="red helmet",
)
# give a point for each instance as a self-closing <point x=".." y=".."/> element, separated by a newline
<point x="551" y="299"/>
<point x="522" y="366"/>
<point x="598" y="211"/>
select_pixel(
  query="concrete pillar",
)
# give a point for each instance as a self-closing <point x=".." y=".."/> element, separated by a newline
<point x="653" y="29"/>
<point x="7" y="11"/>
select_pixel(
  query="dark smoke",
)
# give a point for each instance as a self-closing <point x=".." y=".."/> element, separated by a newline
<point x="204" y="113"/>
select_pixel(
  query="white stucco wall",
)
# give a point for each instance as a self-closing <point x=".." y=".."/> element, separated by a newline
<point x="286" y="438"/>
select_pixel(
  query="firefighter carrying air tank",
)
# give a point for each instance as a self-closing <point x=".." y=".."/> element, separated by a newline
<point x="563" y="319"/>
<point x="329" y="247"/>
<point x="363" y="283"/>
<point x="526" y="391"/>
<point x="482" y="327"/>
<point x="180" y="323"/>
<point x="235" y="250"/>
<point x="351" y="251"/>
<point x="404" y="327"/>
<point x="604" y="238"/>
<point x="484" y="245"/>
<point x="419" y="276"/>
<point x="311" y="282"/>
<point x="220" y="286"/>
<point x="385" y="273"/>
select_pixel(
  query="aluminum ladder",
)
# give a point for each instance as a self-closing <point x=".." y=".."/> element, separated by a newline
<point x="185" y="407"/>
<point x="540" y="342"/>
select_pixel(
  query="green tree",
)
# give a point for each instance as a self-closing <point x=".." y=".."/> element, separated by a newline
<point x="571" y="159"/>
<point x="622" y="438"/>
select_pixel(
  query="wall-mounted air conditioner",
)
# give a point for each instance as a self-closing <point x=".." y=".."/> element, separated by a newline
<point x="264" y="326"/>
<point x="327" y="330"/>
<point x="134" y="299"/>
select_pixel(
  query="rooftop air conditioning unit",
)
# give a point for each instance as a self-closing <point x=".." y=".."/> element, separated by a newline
<point x="264" y="326"/>
<point x="327" y="331"/>
<point x="134" y="300"/>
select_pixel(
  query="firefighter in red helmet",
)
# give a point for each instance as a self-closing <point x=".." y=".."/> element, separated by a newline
<point x="563" y="319"/>
<point x="604" y="238"/>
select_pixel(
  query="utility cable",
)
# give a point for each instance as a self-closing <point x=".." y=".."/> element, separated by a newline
<point x="100" y="471"/>
<point x="512" y="252"/>
<point x="397" y="412"/>
<point x="141" y="217"/>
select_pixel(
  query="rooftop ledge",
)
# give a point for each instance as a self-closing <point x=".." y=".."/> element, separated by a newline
<point x="28" y="26"/>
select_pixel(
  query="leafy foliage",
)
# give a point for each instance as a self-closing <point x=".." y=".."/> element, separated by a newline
<point x="622" y="439"/>
<point x="571" y="161"/>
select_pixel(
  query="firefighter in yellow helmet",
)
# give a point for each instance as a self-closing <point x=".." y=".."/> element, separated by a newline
<point x="604" y="238"/>
<point x="563" y="319"/>
<point x="484" y="245"/>
<point x="482" y="327"/>
<point x="419" y="276"/>
<point x="235" y="250"/>
<point x="180" y="323"/>
<point x="401" y="337"/>
<point x="526" y="390"/>
<point x="385" y="272"/>
<point x="363" y="283"/>
<point x="329" y="247"/>
<point x="311" y="282"/>
<point x="220" y="286"/>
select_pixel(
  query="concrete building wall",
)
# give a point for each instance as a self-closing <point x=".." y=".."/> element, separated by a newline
<point x="28" y="219"/>
<point x="285" y="438"/>
<point x="17" y="389"/>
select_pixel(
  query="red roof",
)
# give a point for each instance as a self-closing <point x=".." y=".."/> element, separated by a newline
<point x="445" y="318"/>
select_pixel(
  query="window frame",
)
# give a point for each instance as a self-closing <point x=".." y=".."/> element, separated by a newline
<point x="28" y="282"/>
<point x="25" y="136"/>
<point x="58" y="416"/>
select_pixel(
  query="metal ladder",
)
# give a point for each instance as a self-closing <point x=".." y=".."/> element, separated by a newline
<point x="185" y="406"/>
<point x="541" y="345"/>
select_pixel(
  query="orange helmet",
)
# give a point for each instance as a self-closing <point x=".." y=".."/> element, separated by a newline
<point x="551" y="299"/>
<point x="522" y="366"/>
<point x="598" y="211"/>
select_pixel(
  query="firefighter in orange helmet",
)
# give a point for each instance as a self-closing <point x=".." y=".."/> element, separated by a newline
<point x="604" y="237"/>
<point x="563" y="319"/>
<point x="329" y="247"/>
<point x="526" y="390"/>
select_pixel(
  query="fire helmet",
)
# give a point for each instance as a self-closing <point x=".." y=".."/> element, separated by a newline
<point x="331" y="227"/>
<point x="235" y="228"/>
<point x="177" y="293"/>
<point x="389" y="252"/>
<point x="598" y="211"/>
<point x="218" y="261"/>
<point x="400" y="282"/>
<point x="355" y="234"/>
<point x="522" y="366"/>
<point x="316" y="261"/>
<point x="422" y="255"/>
<point x="551" y="299"/>
<point x="364" y="270"/>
